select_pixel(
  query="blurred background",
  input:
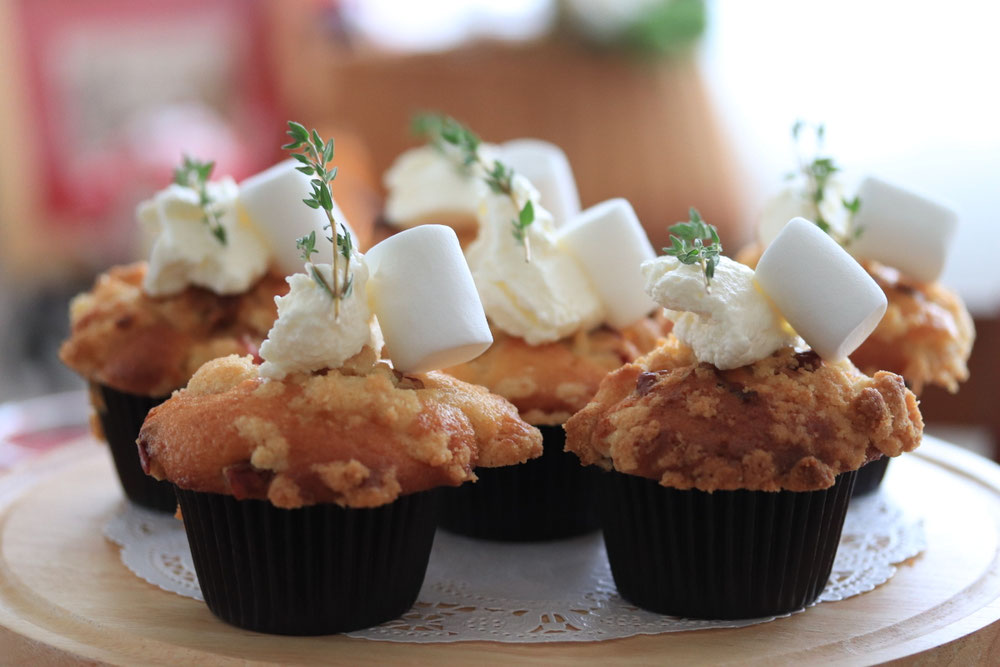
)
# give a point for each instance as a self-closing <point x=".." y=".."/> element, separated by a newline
<point x="669" y="103"/>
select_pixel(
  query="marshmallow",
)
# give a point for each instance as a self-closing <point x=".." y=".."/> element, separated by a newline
<point x="903" y="230"/>
<point x="827" y="297"/>
<point x="610" y="244"/>
<point x="426" y="302"/>
<point x="272" y="201"/>
<point x="546" y="166"/>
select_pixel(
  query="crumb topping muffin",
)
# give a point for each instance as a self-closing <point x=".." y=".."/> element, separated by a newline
<point x="789" y="421"/>
<point x="123" y="338"/>
<point x="926" y="335"/>
<point x="358" y="436"/>
<point x="550" y="382"/>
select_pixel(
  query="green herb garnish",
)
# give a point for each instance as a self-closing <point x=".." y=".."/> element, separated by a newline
<point x="315" y="156"/>
<point x="194" y="174"/>
<point x="696" y="241"/>
<point x="818" y="172"/>
<point x="444" y="132"/>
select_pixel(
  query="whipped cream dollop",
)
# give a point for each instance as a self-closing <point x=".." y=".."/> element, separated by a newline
<point x="308" y="335"/>
<point x="794" y="202"/>
<point x="542" y="300"/>
<point x="730" y="326"/>
<point x="185" y="252"/>
<point x="426" y="185"/>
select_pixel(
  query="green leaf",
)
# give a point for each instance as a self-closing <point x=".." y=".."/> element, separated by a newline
<point x="527" y="215"/>
<point x="695" y="242"/>
<point x="220" y="234"/>
<point x="319" y="280"/>
<point x="298" y="131"/>
<point x="307" y="244"/>
<point x="325" y="199"/>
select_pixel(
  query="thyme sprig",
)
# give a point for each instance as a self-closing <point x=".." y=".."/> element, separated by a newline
<point x="462" y="145"/>
<point x="194" y="174"/>
<point x="818" y="173"/>
<point x="696" y="242"/>
<point x="315" y="155"/>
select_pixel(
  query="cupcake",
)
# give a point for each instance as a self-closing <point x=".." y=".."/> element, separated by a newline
<point x="733" y="447"/>
<point x="218" y="259"/>
<point x="902" y="240"/>
<point x="306" y="482"/>
<point x="566" y="306"/>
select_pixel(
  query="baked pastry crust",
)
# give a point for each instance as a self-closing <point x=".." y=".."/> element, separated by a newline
<point x="549" y="383"/>
<point x="359" y="436"/>
<point x="926" y="334"/>
<point x="127" y="340"/>
<point x="790" y="421"/>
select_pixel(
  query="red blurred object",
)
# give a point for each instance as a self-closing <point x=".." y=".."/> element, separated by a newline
<point x="119" y="89"/>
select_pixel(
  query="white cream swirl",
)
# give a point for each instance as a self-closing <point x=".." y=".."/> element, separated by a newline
<point x="426" y="184"/>
<point x="185" y="252"/>
<point x="732" y="325"/>
<point x="308" y="335"/>
<point x="542" y="300"/>
<point x="794" y="202"/>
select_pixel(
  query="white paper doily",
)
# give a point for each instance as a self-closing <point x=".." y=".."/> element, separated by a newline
<point x="550" y="591"/>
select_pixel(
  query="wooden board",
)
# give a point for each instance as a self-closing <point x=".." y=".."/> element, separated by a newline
<point x="66" y="597"/>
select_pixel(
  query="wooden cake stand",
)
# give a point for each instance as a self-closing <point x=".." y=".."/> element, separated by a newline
<point x="65" y="596"/>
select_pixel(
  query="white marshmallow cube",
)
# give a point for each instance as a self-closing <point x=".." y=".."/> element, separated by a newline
<point x="546" y="166"/>
<point x="609" y="243"/>
<point x="903" y="230"/>
<point x="422" y="292"/>
<point x="827" y="297"/>
<point x="272" y="202"/>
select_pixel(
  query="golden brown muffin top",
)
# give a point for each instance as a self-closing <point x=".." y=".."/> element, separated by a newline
<point x="358" y="436"/>
<point x="926" y="334"/>
<point x="789" y="421"/>
<point x="550" y="382"/>
<point x="125" y="339"/>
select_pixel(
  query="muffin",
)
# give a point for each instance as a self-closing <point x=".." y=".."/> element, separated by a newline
<point x="134" y="350"/>
<point x="306" y="482"/>
<point x="550" y="497"/>
<point x="560" y="318"/>
<point x="308" y="501"/>
<point x="902" y="241"/>
<point x="143" y="329"/>
<point x="733" y="447"/>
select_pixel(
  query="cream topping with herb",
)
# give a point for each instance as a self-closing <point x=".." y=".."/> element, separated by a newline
<point x="427" y="185"/>
<point x="200" y="240"/>
<point x="732" y="324"/>
<point x="530" y="287"/>
<point x="815" y="193"/>
<point x="542" y="300"/>
<point x="309" y="334"/>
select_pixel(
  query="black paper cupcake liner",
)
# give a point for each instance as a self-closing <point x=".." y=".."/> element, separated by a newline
<point x="547" y="498"/>
<point x="315" y="570"/>
<point x="721" y="555"/>
<point x="870" y="476"/>
<point x="121" y="418"/>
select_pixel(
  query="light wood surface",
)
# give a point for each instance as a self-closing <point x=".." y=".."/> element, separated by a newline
<point x="65" y="597"/>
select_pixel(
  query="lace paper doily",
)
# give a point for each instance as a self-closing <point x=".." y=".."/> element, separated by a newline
<point x="542" y="592"/>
